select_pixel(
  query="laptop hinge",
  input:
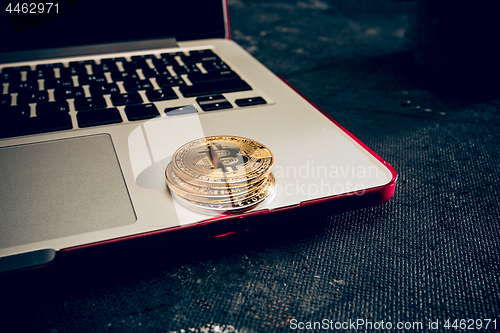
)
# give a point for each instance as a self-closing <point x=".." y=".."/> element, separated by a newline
<point x="87" y="50"/>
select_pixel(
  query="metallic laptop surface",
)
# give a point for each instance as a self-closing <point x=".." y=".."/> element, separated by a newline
<point x="97" y="109"/>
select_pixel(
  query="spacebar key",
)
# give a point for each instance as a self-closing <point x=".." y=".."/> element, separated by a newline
<point x="211" y="88"/>
<point x="98" y="117"/>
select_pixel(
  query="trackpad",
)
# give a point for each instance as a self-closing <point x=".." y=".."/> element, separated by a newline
<point x="61" y="188"/>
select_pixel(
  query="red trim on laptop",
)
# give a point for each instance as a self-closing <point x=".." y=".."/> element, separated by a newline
<point x="226" y="19"/>
<point x="370" y="197"/>
<point x="222" y="218"/>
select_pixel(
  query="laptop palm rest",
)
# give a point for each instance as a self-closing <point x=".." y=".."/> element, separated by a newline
<point x="61" y="188"/>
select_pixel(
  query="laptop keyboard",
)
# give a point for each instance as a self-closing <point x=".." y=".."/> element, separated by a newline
<point x="39" y="100"/>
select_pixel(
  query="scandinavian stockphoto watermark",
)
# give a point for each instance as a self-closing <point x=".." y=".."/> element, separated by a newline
<point x="311" y="179"/>
<point x="151" y="145"/>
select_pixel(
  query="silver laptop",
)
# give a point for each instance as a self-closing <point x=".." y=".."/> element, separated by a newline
<point x="97" y="96"/>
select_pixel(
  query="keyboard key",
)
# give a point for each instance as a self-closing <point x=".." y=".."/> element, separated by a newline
<point x="187" y="69"/>
<point x="98" y="117"/>
<point x="12" y="77"/>
<point x="112" y="60"/>
<point x="23" y="86"/>
<point x="143" y="57"/>
<point x="105" y="67"/>
<point x="212" y="88"/>
<point x="13" y="74"/>
<point x="124" y="99"/>
<point x="194" y="57"/>
<point x="250" y="101"/>
<point x="44" y="73"/>
<point x="211" y="99"/>
<point x="103" y="88"/>
<point x="198" y="53"/>
<point x="169" y="81"/>
<point x="80" y="67"/>
<point x="139" y="63"/>
<point x="120" y="76"/>
<point x="194" y="53"/>
<point x="81" y="62"/>
<point x="217" y="106"/>
<point x="16" y="69"/>
<point x="89" y="103"/>
<point x="47" y="123"/>
<point x="32" y="96"/>
<point x="215" y="66"/>
<point x="212" y="103"/>
<point x="68" y="72"/>
<point x="33" y="85"/>
<point x="171" y="55"/>
<point x="141" y="111"/>
<point x="212" y="76"/>
<point x="51" y="65"/>
<point x="66" y="93"/>
<point x="175" y="111"/>
<point x="61" y="83"/>
<point x="135" y="85"/>
<point x="49" y="107"/>
<point x="164" y="62"/>
<point x="20" y="111"/>
<point x="161" y="94"/>
<point x="89" y="79"/>
<point x="5" y="101"/>
<point x="152" y="72"/>
<point x="163" y="72"/>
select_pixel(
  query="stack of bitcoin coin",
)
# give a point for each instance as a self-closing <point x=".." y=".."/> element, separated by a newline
<point x="219" y="174"/>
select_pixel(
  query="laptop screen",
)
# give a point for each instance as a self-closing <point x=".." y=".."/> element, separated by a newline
<point x="51" y="24"/>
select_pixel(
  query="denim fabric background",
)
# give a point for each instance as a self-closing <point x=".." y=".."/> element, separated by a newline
<point x="431" y="253"/>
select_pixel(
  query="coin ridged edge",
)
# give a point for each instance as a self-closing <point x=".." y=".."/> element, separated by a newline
<point x="212" y="209"/>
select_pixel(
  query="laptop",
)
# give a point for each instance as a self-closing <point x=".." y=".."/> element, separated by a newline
<point x="96" y="98"/>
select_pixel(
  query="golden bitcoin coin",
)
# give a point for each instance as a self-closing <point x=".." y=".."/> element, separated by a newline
<point x="217" y="207"/>
<point x="232" y="200"/>
<point x="220" y="160"/>
<point x="187" y="190"/>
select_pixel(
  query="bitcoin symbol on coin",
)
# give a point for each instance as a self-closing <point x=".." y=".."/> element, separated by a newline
<point x="226" y="158"/>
